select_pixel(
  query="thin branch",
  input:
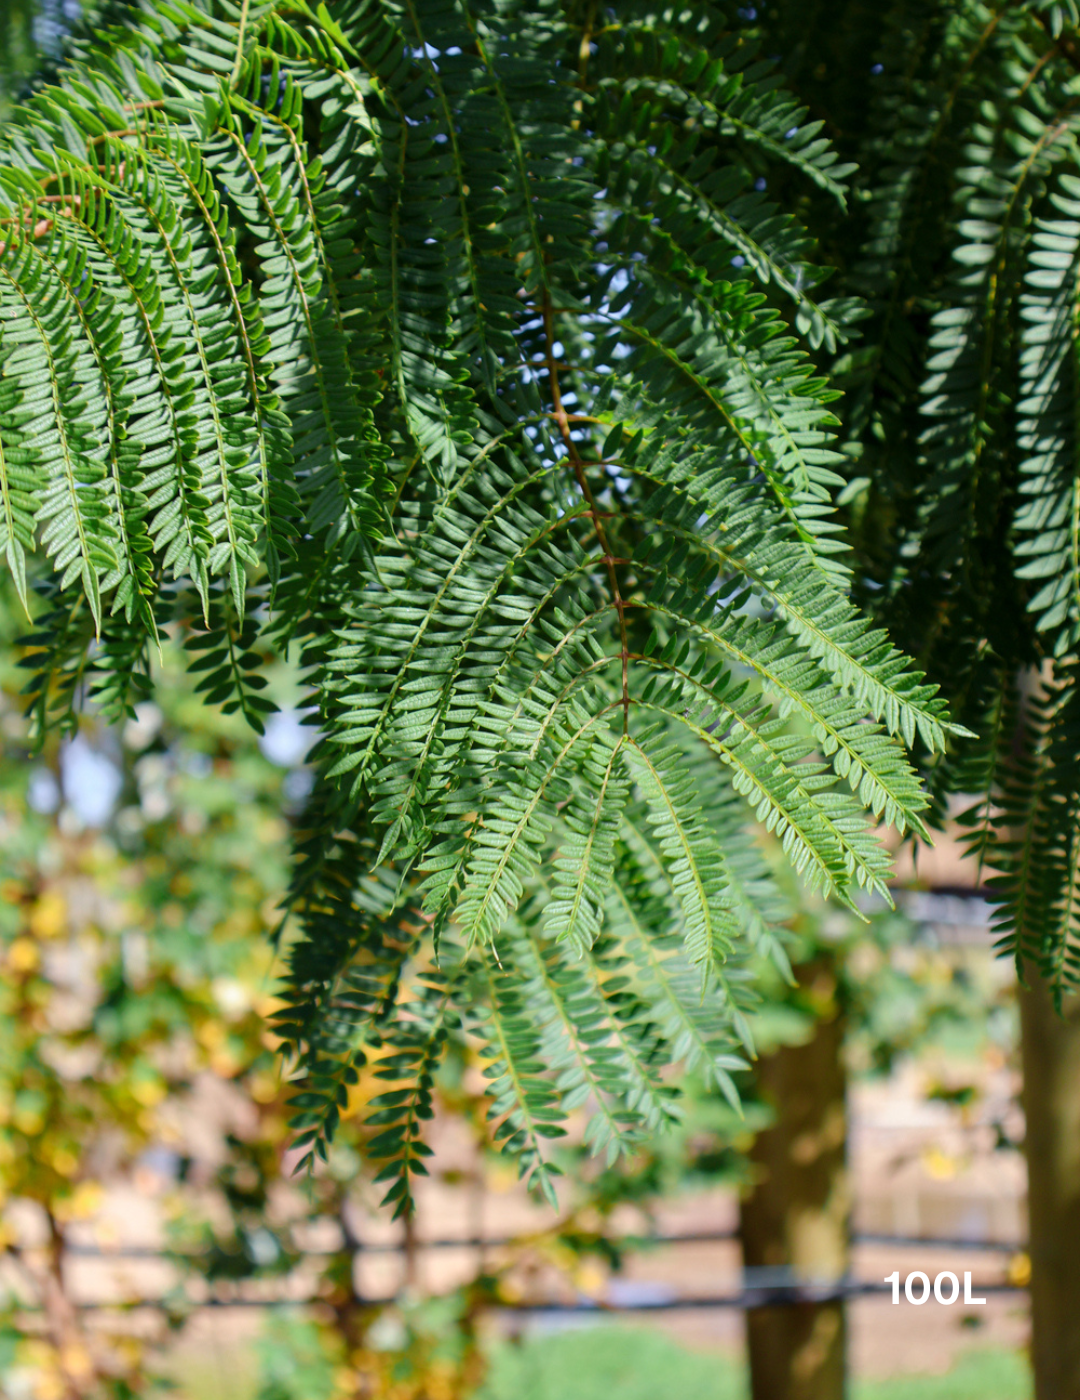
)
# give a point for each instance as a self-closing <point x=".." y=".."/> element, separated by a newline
<point x="563" y="421"/>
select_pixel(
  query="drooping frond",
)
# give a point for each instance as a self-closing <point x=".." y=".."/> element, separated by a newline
<point x="962" y="431"/>
<point x="462" y="349"/>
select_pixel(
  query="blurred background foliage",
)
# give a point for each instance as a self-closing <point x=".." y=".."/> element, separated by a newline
<point x="140" y="872"/>
<point x="31" y="34"/>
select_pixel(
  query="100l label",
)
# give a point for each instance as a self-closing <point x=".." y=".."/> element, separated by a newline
<point x="946" y="1288"/>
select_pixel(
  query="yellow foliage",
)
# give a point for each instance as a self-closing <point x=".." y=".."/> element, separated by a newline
<point x="23" y="955"/>
<point x="264" y="1088"/>
<point x="86" y="1200"/>
<point x="938" y="1164"/>
<point x="48" y="918"/>
<point x="28" y="1119"/>
<point x="75" y="1359"/>
<point x="275" y="1128"/>
<point x="590" y="1279"/>
<point x="1019" y="1270"/>
<point x="50" y="1385"/>
<point x="225" y="1064"/>
<point x="64" y="1161"/>
<point x="149" y="1092"/>
<point x="211" y="1034"/>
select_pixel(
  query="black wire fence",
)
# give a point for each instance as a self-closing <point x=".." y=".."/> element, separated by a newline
<point x="760" y="1288"/>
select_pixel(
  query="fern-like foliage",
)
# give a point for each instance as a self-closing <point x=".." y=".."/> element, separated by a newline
<point x="965" y="475"/>
<point x="459" y="348"/>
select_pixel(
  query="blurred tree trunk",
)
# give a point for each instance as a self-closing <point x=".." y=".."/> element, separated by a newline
<point x="795" y="1220"/>
<point x="1051" y="1098"/>
<point x="76" y="1375"/>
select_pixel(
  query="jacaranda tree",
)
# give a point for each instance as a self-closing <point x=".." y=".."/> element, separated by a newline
<point x="461" y="349"/>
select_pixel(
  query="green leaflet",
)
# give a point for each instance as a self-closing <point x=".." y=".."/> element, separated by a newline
<point x="585" y="861"/>
<point x="1049" y="523"/>
<point x="693" y="859"/>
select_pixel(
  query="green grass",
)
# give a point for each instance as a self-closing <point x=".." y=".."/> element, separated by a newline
<point x="600" y="1363"/>
<point x="977" y="1375"/>
<point x="619" y="1361"/>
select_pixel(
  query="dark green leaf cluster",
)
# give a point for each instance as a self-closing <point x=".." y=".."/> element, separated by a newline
<point x="965" y="481"/>
<point x="457" y="346"/>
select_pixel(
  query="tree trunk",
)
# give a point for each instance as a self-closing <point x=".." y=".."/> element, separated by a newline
<point x="76" y="1372"/>
<point x="794" y="1223"/>
<point x="1051" y="1097"/>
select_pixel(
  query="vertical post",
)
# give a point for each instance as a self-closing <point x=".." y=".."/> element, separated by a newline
<point x="794" y="1222"/>
<point x="1051" y="1096"/>
<point x="347" y="1304"/>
